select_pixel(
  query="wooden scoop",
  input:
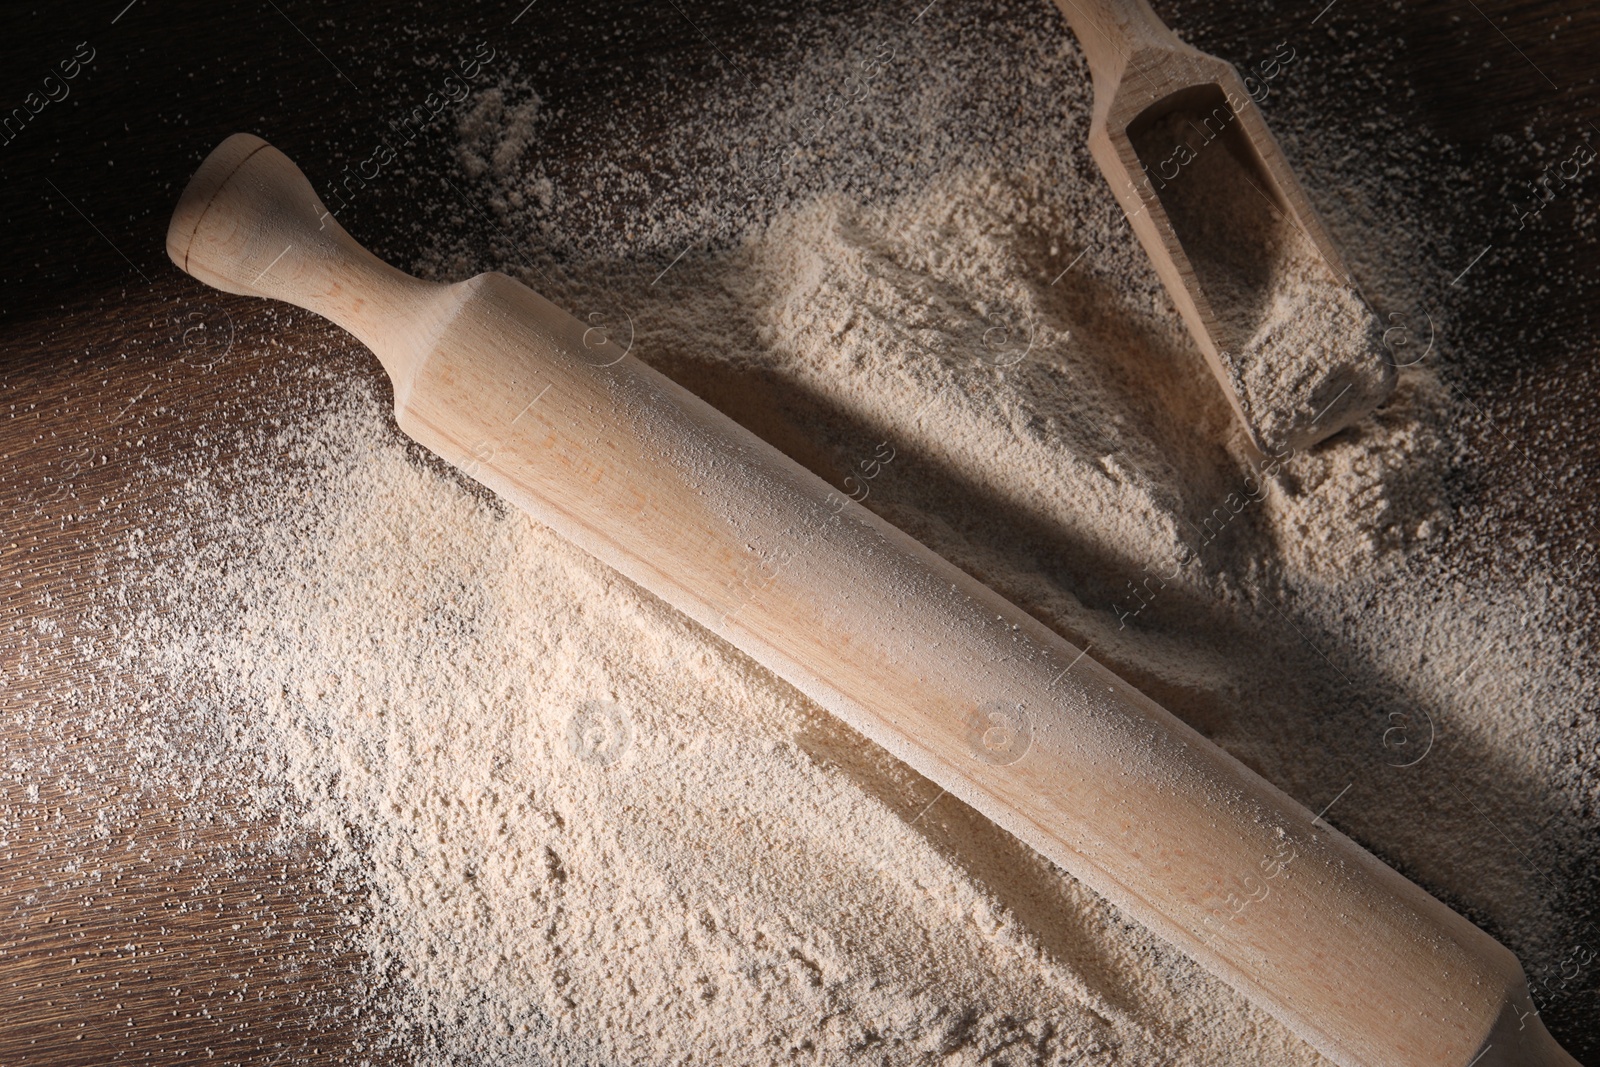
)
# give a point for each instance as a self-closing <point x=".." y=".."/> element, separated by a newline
<point x="915" y="654"/>
<point x="1250" y="266"/>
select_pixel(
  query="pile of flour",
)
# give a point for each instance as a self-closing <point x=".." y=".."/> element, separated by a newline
<point x="593" y="833"/>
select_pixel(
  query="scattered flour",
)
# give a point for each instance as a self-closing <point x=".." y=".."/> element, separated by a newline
<point x="592" y="833"/>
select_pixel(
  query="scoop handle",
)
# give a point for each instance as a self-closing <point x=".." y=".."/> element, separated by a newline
<point x="1112" y="32"/>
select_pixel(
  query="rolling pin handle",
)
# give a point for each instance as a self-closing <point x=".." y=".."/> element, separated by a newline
<point x="249" y="223"/>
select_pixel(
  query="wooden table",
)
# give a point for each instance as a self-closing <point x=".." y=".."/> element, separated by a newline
<point x="131" y="927"/>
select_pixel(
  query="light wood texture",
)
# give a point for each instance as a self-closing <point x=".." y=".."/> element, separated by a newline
<point x="966" y="688"/>
<point x="1143" y="72"/>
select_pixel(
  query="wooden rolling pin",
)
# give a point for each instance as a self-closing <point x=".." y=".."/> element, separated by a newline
<point x="973" y="692"/>
<point x="1283" y="394"/>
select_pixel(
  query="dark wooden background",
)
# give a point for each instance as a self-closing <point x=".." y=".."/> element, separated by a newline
<point x="165" y="952"/>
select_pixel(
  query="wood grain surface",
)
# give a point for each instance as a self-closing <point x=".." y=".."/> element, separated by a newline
<point x="134" y="927"/>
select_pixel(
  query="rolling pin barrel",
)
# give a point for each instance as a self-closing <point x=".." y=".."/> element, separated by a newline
<point x="915" y="654"/>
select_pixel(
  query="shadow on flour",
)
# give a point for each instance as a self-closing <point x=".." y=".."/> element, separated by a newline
<point x="1313" y="724"/>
